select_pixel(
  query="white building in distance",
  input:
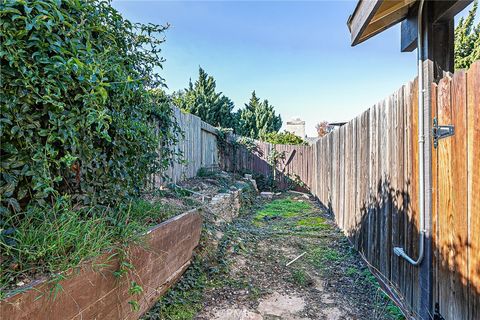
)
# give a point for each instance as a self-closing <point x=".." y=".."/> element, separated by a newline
<point x="297" y="127"/>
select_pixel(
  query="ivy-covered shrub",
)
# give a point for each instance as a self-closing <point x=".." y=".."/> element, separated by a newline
<point x="82" y="111"/>
<point x="283" y="138"/>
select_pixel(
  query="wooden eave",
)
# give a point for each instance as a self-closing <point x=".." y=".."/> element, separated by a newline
<point x="371" y="17"/>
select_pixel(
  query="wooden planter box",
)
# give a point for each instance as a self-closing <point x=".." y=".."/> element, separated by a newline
<point x="95" y="293"/>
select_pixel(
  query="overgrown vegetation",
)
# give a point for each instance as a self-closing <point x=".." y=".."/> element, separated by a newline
<point x="48" y="242"/>
<point x="84" y="123"/>
<point x="283" y="138"/>
<point x="80" y="103"/>
<point x="467" y="40"/>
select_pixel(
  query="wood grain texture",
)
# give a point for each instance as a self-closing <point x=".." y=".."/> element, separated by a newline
<point x="473" y="188"/>
<point x="445" y="195"/>
<point x="91" y="293"/>
<point x="367" y="174"/>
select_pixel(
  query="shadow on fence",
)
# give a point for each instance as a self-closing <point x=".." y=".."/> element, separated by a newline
<point x="253" y="160"/>
<point x="389" y="220"/>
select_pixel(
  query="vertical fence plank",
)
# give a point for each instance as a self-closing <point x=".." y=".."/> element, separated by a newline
<point x="459" y="216"/>
<point x="473" y="205"/>
<point x="371" y="183"/>
<point x="393" y="190"/>
<point x="445" y="189"/>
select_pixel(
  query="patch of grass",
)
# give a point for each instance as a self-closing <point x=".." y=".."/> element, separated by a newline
<point x="183" y="301"/>
<point x="313" y="223"/>
<point x="254" y="293"/>
<point x="385" y="302"/>
<point x="53" y="241"/>
<point x="322" y="257"/>
<point x="351" y="271"/>
<point x="282" y="208"/>
<point x="393" y="311"/>
<point x="301" y="278"/>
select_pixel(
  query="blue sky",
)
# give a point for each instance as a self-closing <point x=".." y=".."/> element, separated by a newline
<point x="295" y="54"/>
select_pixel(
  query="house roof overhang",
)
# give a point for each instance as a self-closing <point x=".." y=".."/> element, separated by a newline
<point x="371" y="17"/>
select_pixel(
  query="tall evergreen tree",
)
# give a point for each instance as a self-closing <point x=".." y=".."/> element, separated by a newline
<point x="201" y="99"/>
<point x="467" y="40"/>
<point x="258" y="118"/>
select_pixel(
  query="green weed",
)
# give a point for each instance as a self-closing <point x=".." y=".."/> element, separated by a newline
<point x="322" y="257"/>
<point x="282" y="208"/>
<point x="300" y="277"/>
<point x="56" y="240"/>
<point x="351" y="271"/>
<point x="314" y="223"/>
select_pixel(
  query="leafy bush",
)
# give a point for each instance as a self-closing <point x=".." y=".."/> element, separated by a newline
<point x="80" y="114"/>
<point x="283" y="138"/>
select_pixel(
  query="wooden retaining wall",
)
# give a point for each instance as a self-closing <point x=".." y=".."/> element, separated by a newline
<point x="93" y="292"/>
<point x="366" y="173"/>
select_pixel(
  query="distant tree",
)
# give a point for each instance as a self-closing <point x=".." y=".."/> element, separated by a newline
<point x="201" y="99"/>
<point x="257" y="118"/>
<point x="323" y="128"/>
<point x="283" y="138"/>
<point x="467" y="40"/>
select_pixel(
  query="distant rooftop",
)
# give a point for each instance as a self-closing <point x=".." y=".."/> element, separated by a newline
<point x="296" y="121"/>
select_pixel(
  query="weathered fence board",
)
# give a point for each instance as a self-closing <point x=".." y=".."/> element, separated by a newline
<point x="473" y="194"/>
<point x="198" y="146"/>
<point x="366" y="174"/>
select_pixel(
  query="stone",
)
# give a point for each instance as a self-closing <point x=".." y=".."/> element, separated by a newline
<point x="236" y="314"/>
<point x="281" y="305"/>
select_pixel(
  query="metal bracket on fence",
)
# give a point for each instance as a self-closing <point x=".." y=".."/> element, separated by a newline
<point x="440" y="132"/>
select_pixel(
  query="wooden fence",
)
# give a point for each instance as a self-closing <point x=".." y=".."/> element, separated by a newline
<point x="294" y="168"/>
<point x="366" y="173"/>
<point x="198" y="147"/>
<point x="456" y="196"/>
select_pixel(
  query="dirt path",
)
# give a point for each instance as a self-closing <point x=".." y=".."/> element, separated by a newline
<point x="253" y="282"/>
<point x="328" y="282"/>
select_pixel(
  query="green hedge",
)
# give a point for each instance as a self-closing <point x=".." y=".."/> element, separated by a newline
<point x="283" y="138"/>
<point x="78" y="104"/>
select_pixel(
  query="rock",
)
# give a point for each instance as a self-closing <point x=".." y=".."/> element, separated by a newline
<point x="236" y="314"/>
<point x="225" y="206"/>
<point x="267" y="195"/>
<point x="281" y="305"/>
<point x="254" y="184"/>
